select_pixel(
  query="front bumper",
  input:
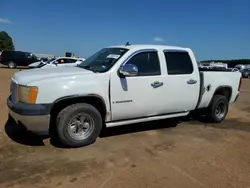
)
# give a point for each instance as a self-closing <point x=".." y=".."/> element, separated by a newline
<point x="34" y="117"/>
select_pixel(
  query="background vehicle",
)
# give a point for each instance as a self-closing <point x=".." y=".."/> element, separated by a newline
<point x="116" y="86"/>
<point x="245" y="73"/>
<point x="214" y="68"/>
<point x="56" y="62"/>
<point x="17" y="58"/>
<point x="242" y="67"/>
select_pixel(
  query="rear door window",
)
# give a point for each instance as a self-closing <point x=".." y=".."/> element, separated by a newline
<point x="70" y="60"/>
<point x="60" y="61"/>
<point x="178" y="63"/>
<point x="7" y="54"/>
<point x="65" y="60"/>
<point x="20" y="56"/>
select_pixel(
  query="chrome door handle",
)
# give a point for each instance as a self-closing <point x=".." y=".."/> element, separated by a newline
<point x="156" y="84"/>
<point x="191" y="81"/>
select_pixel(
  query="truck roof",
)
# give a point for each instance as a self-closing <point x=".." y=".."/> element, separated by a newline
<point x="147" y="46"/>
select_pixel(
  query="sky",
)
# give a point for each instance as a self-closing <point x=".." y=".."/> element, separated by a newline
<point x="214" y="29"/>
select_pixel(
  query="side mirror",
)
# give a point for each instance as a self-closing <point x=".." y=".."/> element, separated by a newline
<point x="128" y="70"/>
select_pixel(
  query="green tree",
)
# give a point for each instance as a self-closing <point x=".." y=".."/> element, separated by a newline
<point x="6" y="42"/>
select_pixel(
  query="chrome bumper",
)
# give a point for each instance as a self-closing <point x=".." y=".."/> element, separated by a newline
<point x="36" y="124"/>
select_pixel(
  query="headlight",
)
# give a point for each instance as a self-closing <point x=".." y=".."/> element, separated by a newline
<point x="27" y="94"/>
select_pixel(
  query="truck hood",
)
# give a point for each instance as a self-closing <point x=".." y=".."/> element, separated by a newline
<point x="24" y="77"/>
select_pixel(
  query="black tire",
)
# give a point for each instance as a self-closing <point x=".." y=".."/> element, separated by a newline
<point x="11" y="65"/>
<point x="67" y="115"/>
<point x="218" y="102"/>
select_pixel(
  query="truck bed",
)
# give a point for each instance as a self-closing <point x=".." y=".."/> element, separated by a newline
<point x="211" y="80"/>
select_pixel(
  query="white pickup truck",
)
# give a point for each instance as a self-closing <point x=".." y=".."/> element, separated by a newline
<point x="116" y="86"/>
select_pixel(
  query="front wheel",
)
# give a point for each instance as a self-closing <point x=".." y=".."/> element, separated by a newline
<point x="218" y="108"/>
<point x="79" y="125"/>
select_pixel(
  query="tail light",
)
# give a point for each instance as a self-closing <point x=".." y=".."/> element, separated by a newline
<point x="240" y="84"/>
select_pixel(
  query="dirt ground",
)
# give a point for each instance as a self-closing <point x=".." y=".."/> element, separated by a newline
<point x="157" y="154"/>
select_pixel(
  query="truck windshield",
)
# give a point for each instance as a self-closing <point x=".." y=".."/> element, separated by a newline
<point x="103" y="60"/>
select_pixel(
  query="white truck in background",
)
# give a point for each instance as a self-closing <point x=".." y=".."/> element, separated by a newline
<point x="119" y="85"/>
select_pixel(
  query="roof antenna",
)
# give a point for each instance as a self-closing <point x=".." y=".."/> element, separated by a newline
<point x="127" y="44"/>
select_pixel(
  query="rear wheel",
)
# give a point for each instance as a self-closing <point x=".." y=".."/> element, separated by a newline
<point x="217" y="110"/>
<point x="11" y="65"/>
<point x="78" y="125"/>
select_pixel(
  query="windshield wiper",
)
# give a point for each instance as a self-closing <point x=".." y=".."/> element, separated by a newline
<point x="88" y="68"/>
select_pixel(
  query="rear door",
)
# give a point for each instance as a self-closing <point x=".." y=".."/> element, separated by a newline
<point x="6" y="56"/>
<point x="20" y="58"/>
<point x="182" y="80"/>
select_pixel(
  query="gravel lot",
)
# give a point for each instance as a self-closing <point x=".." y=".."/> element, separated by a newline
<point x="158" y="154"/>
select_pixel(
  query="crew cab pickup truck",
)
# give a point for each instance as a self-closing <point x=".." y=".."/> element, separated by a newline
<point x="116" y="86"/>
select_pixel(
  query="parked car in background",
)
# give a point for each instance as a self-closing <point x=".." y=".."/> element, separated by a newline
<point x="116" y="86"/>
<point x="218" y="68"/>
<point x="13" y="59"/>
<point x="242" y="67"/>
<point x="57" y="62"/>
<point x="245" y="73"/>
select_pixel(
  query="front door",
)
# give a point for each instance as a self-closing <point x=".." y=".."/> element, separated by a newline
<point x="138" y="96"/>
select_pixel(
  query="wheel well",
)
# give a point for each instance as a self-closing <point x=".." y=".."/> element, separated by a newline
<point x="98" y="103"/>
<point x="225" y="91"/>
